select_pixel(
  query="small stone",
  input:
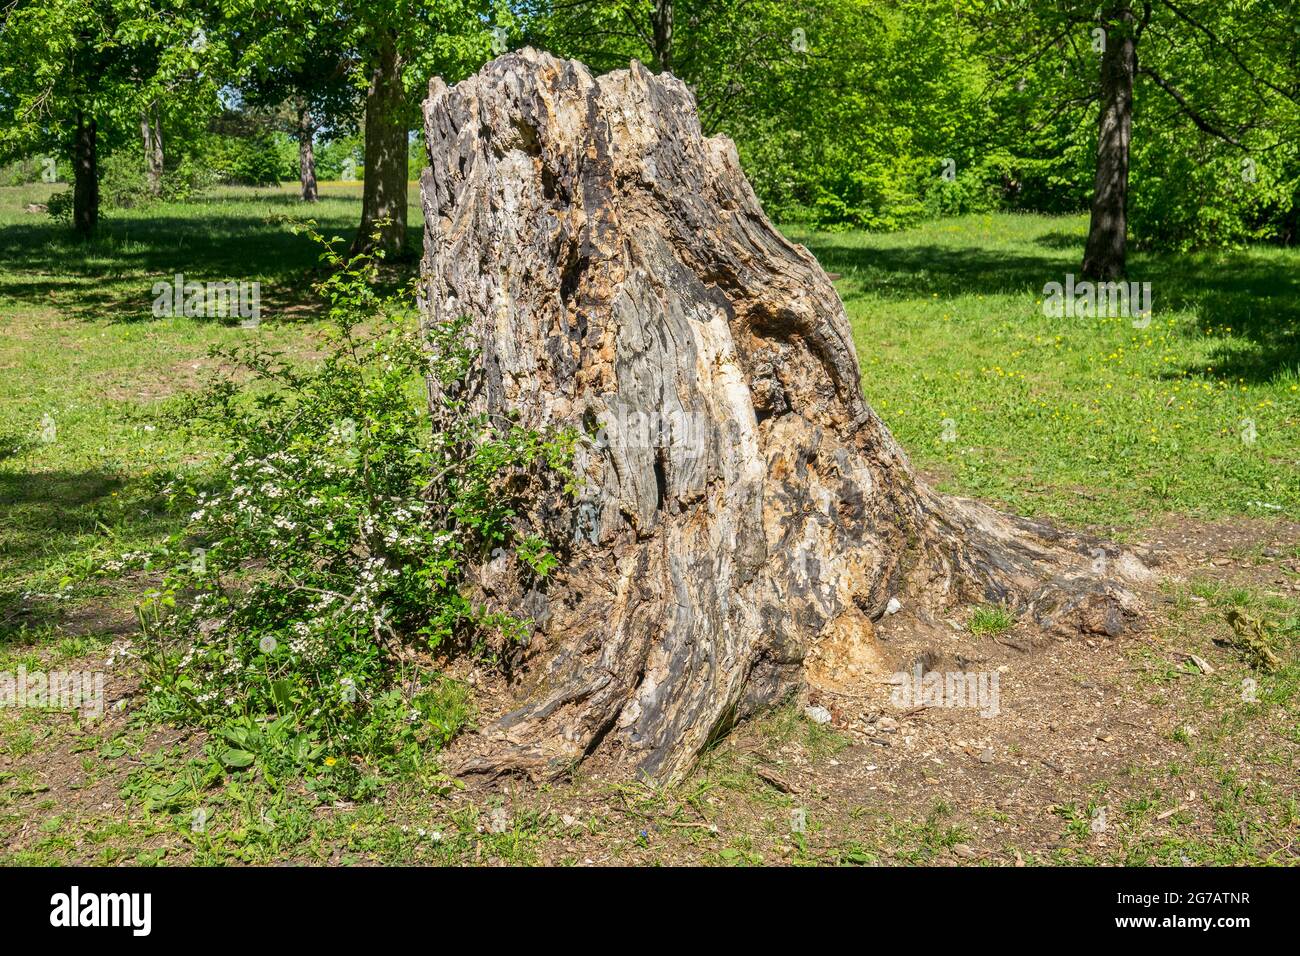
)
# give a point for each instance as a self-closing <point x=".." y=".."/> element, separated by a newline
<point x="961" y="849"/>
<point x="817" y="714"/>
<point x="986" y="755"/>
<point x="887" y="724"/>
<point x="894" y="606"/>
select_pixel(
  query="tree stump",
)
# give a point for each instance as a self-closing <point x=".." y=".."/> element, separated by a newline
<point x="742" y="505"/>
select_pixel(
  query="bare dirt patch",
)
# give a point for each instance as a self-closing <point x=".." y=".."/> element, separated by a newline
<point x="1101" y="750"/>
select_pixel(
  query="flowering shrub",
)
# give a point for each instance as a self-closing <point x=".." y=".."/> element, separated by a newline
<point x="329" y="555"/>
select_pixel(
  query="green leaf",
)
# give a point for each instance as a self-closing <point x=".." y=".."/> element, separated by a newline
<point x="281" y="693"/>
<point x="237" y="759"/>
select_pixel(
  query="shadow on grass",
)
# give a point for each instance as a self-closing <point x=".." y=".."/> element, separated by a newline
<point x="69" y="517"/>
<point x="1255" y="294"/>
<point x="923" y="271"/>
<point x="1065" y="241"/>
<point x="112" y="275"/>
<point x="13" y="445"/>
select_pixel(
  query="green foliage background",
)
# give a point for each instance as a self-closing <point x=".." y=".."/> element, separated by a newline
<point x="846" y="113"/>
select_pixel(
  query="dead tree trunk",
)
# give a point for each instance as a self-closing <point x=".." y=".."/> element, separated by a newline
<point x="742" y="505"/>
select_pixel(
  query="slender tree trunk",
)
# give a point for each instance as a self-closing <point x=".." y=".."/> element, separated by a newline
<point x="384" y="192"/>
<point x="663" y="35"/>
<point x="1103" y="259"/>
<point x="151" y="136"/>
<point x="85" y="189"/>
<point x="146" y="144"/>
<point x="306" y="155"/>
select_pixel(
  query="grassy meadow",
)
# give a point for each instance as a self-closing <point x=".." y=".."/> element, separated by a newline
<point x="1084" y="421"/>
<point x="1087" y="420"/>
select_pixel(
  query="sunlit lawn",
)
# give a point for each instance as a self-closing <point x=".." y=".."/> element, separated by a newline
<point x="1081" y="420"/>
<point x="1084" y="420"/>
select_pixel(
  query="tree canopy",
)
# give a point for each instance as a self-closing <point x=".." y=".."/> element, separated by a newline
<point x="864" y="113"/>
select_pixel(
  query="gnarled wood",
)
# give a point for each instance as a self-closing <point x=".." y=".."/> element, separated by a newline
<point x="742" y="504"/>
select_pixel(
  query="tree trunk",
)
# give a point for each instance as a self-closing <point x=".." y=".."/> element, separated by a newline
<point x="306" y="154"/>
<point x="662" y="24"/>
<point x="744" y="517"/>
<point x="151" y="135"/>
<point x="1104" y="256"/>
<point x="85" y="184"/>
<point x="384" y="192"/>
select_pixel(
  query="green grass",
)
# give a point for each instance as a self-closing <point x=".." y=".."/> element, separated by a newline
<point x="1085" y="420"/>
<point x="1075" y="419"/>
<point x="987" y="619"/>
<point x="82" y="350"/>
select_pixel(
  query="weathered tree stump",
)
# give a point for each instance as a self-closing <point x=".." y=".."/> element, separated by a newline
<point x="743" y="506"/>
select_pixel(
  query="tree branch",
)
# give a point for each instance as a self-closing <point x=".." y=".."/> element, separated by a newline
<point x="1188" y="19"/>
<point x="1201" y="122"/>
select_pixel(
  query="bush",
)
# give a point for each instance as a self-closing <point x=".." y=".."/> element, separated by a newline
<point x="1197" y="193"/>
<point x="59" y="206"/>
<point x="21" y="172"/>
<point x="980" y="185"/>
<point x="330" y="553"/>
<point x="874" y="194"/>
<point x="257" y="160"/>
<point x="332" y="155"/>
<point x="123" y="183"/>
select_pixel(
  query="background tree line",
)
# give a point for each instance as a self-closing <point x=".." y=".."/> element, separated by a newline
<point x="1174" y="121"/>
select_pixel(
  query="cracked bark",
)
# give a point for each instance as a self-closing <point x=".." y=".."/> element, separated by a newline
<point x="741" y="501"/>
